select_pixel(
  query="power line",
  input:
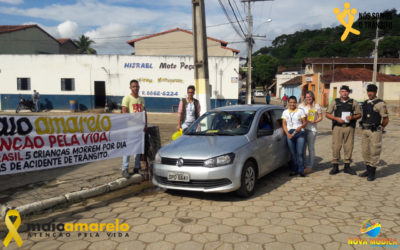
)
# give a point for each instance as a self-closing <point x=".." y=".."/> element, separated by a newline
<point x="233" y="11"/>
<point x="239" y="13"/>
<point x="229" y="19"/>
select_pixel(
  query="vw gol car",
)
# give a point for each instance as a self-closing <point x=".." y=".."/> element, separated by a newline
<point x="226" y="149"/>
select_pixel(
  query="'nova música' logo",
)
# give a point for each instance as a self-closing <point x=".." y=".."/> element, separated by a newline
<point x="351" y="16"/>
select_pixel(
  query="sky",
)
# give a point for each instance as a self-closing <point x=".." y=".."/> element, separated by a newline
<point x="111" y="23"/>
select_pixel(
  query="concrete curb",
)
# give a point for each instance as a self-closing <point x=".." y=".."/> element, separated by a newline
<point x="73" y="196"/>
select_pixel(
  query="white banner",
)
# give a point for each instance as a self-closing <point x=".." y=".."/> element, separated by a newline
<point x="30" y="143"/>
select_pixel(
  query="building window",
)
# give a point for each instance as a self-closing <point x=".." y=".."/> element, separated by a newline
<point x="67" y="84"/>
<point x="23" y="83"/>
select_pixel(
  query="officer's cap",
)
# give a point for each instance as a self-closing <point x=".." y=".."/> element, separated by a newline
<point x="345" y="87"/>
<point x="372" y="88"/>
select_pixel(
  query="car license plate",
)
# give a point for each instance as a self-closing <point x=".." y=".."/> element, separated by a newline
<point x="174" y="176"/>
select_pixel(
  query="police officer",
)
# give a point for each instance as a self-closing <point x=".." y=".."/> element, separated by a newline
<point x="344" y="113"/>
<point x="374" y="120"/>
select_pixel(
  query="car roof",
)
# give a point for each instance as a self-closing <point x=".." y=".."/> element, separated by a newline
<point x="248" y="107"/>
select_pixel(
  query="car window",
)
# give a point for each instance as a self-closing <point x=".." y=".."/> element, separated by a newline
<point x="277" y="117"/>
<point x="222" y="123"/>
<point x="265" y="121"/>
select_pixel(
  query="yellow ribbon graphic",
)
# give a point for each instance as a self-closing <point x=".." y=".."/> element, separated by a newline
<point x="12" y="228"/>
<point x="341" y="17"/>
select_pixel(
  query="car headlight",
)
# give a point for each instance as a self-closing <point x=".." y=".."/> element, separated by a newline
<point x="219" y="160"/>
<point x="157" y="158"/>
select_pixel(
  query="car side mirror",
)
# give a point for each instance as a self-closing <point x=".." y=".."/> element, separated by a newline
<point x="264" y="132"/>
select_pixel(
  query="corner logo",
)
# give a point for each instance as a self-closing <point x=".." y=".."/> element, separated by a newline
<point x="12" y="228"/>
<point x="341" y="17"/>
<point x="372" y="230"/>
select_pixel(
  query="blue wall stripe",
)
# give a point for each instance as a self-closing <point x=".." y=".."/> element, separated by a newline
<point x="85" y="102"/>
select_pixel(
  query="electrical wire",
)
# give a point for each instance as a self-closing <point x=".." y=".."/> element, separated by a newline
<point x="237" y="20"/>
<point x="229" y="19"/>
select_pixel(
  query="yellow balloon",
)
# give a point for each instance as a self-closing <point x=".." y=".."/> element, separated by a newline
<point x="176" y="134"/>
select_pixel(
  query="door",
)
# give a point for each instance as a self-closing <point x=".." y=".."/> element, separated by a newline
<point x="265" y="144"/>
<point x="99" y="94"/>
<point x="281" y="149"/>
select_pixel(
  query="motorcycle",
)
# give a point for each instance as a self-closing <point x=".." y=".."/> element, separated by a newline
<point x="110" y="106"/>
<point x="25" y="104"/>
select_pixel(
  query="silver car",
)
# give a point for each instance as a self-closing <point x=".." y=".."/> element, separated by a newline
<point x="226" y="149"/>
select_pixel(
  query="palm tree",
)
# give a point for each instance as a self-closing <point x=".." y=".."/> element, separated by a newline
<point x="84" y="43"/>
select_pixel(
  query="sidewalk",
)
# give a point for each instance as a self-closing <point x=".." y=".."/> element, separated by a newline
<point x="20" y="189"/>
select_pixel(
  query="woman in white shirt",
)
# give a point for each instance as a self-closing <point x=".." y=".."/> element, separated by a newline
<point x="294" y="121"/>
<point x="314" y="115"/>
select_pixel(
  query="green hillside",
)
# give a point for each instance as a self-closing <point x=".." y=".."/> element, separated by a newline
<point x="291" y="49"/>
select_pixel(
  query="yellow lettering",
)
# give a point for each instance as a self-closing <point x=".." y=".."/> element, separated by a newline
<point x="102" y="226"/>
<point x="110" y="227"/>
<point x="39" y="129"/>
<point x="81" y="227"/>
<point x="116" y="225"/>
<point x="57" y="121"/>
<point x="94" y="227"/>
<point x="74" y="124"/>
<point x="108" y="127"/>
<point x="69" y="227"/>
<point x="124" y="227"/>
<point x="91" y="124"/>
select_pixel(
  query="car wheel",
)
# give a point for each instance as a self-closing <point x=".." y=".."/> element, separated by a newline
<point x="248" y="180"/>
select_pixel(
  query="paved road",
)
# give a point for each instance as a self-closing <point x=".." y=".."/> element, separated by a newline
<point x="316" y="212"/>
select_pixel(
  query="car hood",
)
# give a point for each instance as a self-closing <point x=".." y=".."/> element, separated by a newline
<point x="202" y="147"/>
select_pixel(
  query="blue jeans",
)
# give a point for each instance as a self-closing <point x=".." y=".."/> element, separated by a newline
<point x="296" y="147"/>
<point x="37" y="104"/>
<point x="125" y="162"/>
<point x="309" y="143"/>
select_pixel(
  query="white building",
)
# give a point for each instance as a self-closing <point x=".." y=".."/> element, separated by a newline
<point x="284" y="76"/>
<point x="89" y="79"/>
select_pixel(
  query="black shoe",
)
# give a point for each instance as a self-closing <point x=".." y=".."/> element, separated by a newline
<point x="302" y="174"/>
<point x="371" y="174"/>
<point x="292" y="174"/>
<point x="366" y="172"/>
<point x="335" y="169"/>
<point x="348" y="169"/>
<point x="135" y="171"/>
<point x="126" y="174"/>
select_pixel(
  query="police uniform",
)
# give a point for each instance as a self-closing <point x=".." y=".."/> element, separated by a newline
<point x="372" y="114"/>
<point x="343" y="133"/>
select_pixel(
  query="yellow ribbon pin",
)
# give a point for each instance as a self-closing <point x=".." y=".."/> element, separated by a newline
<point x="12" y="228"/>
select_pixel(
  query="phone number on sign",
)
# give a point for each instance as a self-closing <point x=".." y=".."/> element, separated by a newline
<point x="160" y="93"/>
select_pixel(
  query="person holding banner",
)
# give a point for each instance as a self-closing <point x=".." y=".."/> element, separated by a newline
<point x="313" y="112"/>
<point x="133" y="103"/>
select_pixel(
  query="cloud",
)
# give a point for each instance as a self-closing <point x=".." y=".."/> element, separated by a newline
<point x="68" y="29"/>
<point x="12" y="1"/>
<point x="111" y="39"/>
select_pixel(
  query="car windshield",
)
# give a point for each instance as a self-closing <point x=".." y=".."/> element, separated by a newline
<point x="227" y="123"/>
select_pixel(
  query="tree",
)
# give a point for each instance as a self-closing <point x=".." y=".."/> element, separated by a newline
<point x="389" y="47"/>
<point x="84" y="43"/>
<point x="264" y="69"/>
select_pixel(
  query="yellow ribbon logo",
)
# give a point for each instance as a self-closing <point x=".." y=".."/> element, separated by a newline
<point x="342" y="15"/>
<point x="12" y="228"/>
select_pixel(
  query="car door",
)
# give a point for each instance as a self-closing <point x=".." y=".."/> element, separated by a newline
<point x="265" y="145"/>
<point x="281" y="150"/>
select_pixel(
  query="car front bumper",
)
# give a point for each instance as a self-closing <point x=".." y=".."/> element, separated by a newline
<point x="218" y="179"/>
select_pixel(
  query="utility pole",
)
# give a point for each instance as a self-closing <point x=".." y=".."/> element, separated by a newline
<point x="201" y="76"/>
<point x="250" y="41"/>
<point x="375" y="54"/>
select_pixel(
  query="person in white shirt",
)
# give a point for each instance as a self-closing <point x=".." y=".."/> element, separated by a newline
<point x="294" y="121"/>
<point x="188" y="110"/>
<point x="313" y="113"/>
